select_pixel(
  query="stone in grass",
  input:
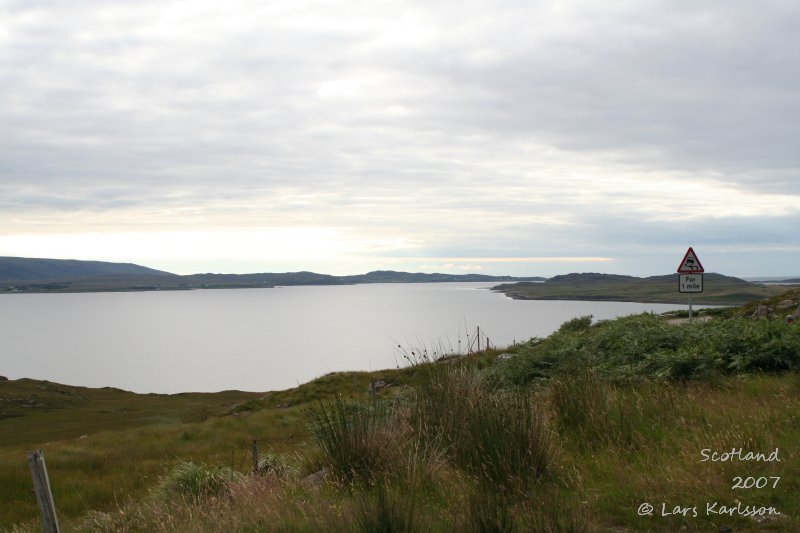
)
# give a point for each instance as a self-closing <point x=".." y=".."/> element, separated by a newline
<point x="317" y="478"/>
<point x="376" y="386"/>
<point x="505" y="356"/>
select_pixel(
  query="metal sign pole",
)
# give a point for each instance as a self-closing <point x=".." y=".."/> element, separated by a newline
<point x="690" y="307"/>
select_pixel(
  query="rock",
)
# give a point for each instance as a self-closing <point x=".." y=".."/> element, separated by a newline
<point x="376" y="386"/>
<point x="786" y="304"/>
<point x="317" y="478"/>
<point x="762" y="311"/>
<point x="505" y="356"/>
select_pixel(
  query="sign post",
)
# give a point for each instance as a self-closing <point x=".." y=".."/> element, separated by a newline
<point x="44" y="496"/>
<point x="690" y="279"/>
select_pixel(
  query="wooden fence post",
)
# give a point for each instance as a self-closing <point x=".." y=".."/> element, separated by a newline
<point x="44" y="497"/>
<point x="255" y="456"/>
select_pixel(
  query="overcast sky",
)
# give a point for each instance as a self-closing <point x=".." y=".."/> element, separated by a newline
<point x="504" y="137"/>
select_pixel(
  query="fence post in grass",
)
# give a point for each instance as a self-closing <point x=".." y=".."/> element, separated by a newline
<point x="255" y="456"/>
<point x="44" y="497"/>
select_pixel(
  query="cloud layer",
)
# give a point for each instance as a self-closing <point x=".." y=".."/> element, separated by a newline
<point x="403" y="129"/>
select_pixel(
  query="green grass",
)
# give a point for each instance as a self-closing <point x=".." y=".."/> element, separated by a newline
<point x="33" y="411"/>
<point x="593" y="481"/>
<point x="107" y="466"/>
<point x="594" y="485"/>
<point x="573" y="434"/>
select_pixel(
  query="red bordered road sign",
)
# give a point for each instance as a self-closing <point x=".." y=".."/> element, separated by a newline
<point x="690" y="264"/>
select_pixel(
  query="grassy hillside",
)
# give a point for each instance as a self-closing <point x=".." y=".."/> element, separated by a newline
<point x="574" y="432"/>
<point x="23" y="268"/>
<point x="33" y="411"/>
<point x="717" y="289"/>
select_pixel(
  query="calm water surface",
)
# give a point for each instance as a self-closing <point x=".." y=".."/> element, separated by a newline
<point x="260" y="339"/>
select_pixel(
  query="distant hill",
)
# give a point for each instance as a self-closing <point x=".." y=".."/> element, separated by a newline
<point x="718" y="289"/>
<point x="28" y="269"/>
<point x="260" y="280"/>
<point x="391" y="276"/>
<point x="312" y="278"/>
<point x="792" y="281"/>
<point x="589" y="277"/>
<point x="18" y="274"/>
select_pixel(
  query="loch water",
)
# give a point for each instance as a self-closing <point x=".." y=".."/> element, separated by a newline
<point x="262" y="339"/>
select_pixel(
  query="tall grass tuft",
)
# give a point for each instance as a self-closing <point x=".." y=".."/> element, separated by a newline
<point x="596" y="413"/>
<point x="496" y="437"/>
<point x="277" y="465"/>
<point x="486" y="512"/>
<point x="387" y="512"/>
<point x="504" y="441"/>
<point x="353" y="437"/>
<point x="592" y="412"/>
<point x="490" y="511"/>
<point x="195" y="481"/>
<point x="580" y="404"/>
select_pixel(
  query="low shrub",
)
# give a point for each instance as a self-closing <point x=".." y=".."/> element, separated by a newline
<point x="648" y="347"/>
<point x="577" y="324"/>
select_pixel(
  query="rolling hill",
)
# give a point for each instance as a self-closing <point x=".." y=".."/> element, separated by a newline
<point x="19" y="274"/>
<point x="29" y="269"/>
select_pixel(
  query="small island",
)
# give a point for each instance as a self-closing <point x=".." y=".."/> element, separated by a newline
<point x="719" y="289"/>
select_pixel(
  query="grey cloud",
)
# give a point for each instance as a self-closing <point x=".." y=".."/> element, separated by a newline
<point x="127" y="111"/>
<point x="709" y="87"/>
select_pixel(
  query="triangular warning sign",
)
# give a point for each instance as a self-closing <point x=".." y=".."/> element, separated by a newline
<point x="690" y="264"/>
